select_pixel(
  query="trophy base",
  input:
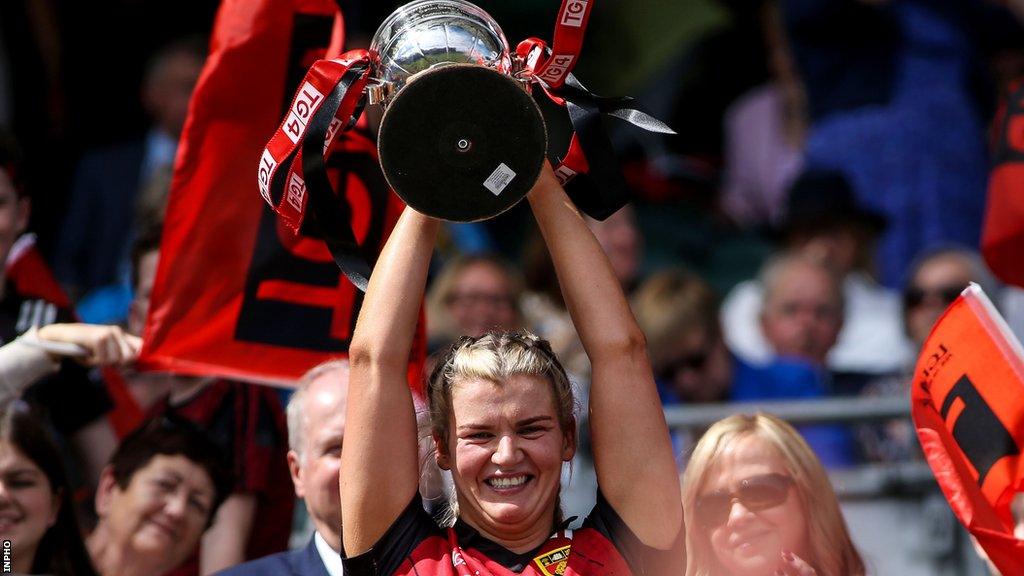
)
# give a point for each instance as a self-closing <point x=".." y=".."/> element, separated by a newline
<point x="462" y="143"/>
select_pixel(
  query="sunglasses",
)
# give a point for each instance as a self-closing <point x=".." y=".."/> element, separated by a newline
<point x="694" y="362"/>
<point x="915" y="296"/>
<point x="756" y="494"/>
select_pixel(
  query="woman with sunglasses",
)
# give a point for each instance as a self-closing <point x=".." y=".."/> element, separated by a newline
<point x="758" y="503"/>
<point x="502" y="422"/>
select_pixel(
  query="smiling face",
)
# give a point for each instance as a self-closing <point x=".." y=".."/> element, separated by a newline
<point x="505" y="451"/>
<point x="162" y="512"/>
<point x="750" y="542"/>
<point x="28" y="506"/>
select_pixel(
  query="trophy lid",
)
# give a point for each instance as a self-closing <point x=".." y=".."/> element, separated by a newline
<point x="428" y="33"/>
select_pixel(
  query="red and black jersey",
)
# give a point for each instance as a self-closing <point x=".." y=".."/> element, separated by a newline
<point x="603" y="545"/>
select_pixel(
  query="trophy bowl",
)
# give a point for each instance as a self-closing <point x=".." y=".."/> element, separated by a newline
<point x="461" y="138"/>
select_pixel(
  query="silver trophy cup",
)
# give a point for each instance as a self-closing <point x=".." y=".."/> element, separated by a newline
<point x="461" y="138"/>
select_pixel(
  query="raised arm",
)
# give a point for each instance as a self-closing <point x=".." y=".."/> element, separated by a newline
<point x="379" y="470"/>
<point x="632" y="452"/>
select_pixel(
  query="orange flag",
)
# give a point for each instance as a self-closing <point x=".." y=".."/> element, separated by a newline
<point x="968" y="408"/>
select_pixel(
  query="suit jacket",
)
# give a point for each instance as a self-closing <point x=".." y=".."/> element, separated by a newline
<point x="302" y="562"/>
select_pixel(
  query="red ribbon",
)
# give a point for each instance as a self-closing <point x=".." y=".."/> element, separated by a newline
<point x="286" y="192"/>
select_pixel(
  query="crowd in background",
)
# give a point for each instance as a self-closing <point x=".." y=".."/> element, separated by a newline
<point x="819" y="209"/>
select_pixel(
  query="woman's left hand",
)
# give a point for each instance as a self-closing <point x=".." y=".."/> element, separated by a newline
<point x="793" y="565"/>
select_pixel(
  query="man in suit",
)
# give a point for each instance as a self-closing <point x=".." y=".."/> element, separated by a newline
<point x="316" y="425"/>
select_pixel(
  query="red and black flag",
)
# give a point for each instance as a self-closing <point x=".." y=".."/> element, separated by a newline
<point x="237" y="294"/>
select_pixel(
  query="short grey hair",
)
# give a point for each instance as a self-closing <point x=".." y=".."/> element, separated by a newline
<point x="296" y="410"/>
<point x="780" y="264"/>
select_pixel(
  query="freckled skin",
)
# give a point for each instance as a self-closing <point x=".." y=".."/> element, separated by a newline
<point x="506" y="430"/>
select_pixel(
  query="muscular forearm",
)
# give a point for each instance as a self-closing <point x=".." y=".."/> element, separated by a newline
<point x="379" y="463"/>
<point x="627" y="423"/>
<point x="390" y="309"/>
<point x="592" y="293"/>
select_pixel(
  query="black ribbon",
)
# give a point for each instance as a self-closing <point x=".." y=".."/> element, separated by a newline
<point x="332" y="214"/>
<point x="602" y="191"/>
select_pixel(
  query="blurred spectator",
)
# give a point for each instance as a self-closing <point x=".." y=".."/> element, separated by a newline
<point x="93" y="250"/>
<point x="36" y="500"/>
<point x="157" y="496"/>
<point x="678" y="313"/>
<point x="757" y="502"/>
<point x="893" y="102"/>
<point x="934" y="282"/>
<point x="75" y="399"/>
<point x="764" y="134"/>
<point x="801" y="314"/>
<point x="936" y="279"/>
<point x="245" y="420"/>
<point x="473" y="294"/>
<point x="823" y="222"/>
<point x="622" y="242"/>
<point x="147" y="388"/>
<point x="316" y="427"/>
<point x="802" y="309"/>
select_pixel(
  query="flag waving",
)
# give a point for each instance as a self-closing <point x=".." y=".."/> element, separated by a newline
<point x="237" y="294"/>
<point x="968" y="408"/>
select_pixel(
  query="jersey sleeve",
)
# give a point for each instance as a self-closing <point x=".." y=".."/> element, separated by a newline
<point x="411" y="529"/>
<point x="643" y="560"/>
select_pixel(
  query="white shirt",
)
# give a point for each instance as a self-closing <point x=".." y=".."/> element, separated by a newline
<point x="330" y="558"/>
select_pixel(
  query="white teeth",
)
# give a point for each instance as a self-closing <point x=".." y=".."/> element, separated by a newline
<point x="507" y="482"/>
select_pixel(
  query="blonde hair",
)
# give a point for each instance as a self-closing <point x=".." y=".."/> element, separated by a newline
<point x="495" y="357"/>
<point x="831" y="549"/>
<point x="672" y="304"/>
